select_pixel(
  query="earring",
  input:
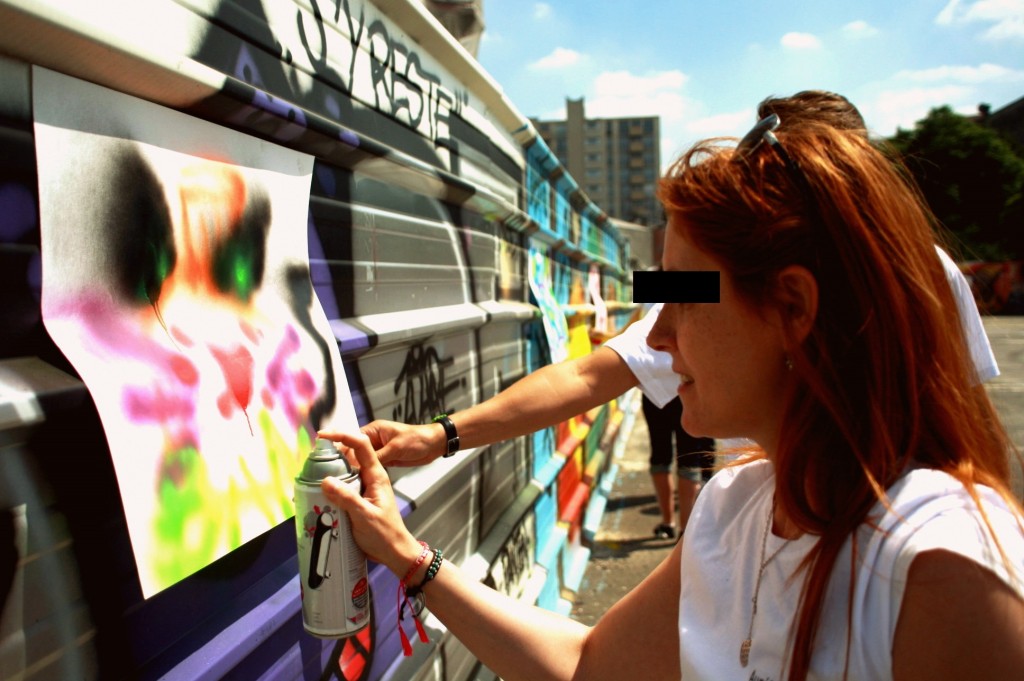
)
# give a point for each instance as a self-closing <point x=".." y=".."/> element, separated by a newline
<point x="789" y="363"/>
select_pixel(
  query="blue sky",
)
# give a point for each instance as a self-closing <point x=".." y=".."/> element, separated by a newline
<point x="703" y="65"/>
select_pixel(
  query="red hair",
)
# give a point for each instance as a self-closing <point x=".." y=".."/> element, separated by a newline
<point x="884" y="379"/>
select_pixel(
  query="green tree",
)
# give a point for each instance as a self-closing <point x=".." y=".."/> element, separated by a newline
<point x="973" y="180"/>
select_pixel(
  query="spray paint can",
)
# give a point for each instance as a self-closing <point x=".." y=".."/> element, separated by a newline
<point x="332" y="567"/>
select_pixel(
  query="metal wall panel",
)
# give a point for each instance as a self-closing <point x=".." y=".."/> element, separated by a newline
<point x="428" y="190"/>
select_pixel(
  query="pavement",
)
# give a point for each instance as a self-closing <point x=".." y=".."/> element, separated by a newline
<point x="625" y="550"/>
<point x="1007" y="389"/>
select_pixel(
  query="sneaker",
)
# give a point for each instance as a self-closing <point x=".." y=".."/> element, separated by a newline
<point x="665" y="531"/>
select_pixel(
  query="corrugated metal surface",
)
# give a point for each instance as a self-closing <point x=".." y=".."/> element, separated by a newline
<point x="429" y="191"/>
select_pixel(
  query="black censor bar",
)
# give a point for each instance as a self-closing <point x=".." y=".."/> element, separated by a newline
<point x="676" y="287"/>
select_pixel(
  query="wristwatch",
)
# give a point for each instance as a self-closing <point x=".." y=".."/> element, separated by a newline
<point x="450" y="433"/>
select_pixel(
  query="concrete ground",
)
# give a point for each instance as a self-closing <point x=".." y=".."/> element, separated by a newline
<point x="1007" y="390"/>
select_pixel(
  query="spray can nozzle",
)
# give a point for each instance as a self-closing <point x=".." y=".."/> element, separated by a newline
<point x="324" y="460"/>
<point x="324" y="450"/>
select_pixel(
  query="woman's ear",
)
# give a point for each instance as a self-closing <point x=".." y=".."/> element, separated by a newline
<point x="798" y="300"/>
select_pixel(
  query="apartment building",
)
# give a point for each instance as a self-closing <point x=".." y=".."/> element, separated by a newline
<point x="614" y="160"/>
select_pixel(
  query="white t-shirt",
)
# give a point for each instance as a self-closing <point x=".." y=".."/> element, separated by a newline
<point x="653" y="368"/>
<point x="974" y="330"/>
<point x="722" y="554"/>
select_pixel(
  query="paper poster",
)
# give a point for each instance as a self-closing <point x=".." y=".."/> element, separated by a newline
<point x="176" y="281"/>
<point x="552" y="316"/>
<point x="600" y="307"/>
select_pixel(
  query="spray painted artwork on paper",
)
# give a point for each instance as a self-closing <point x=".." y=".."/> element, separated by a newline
<point x="555" y="327"/>
<point x="176" y="281"/>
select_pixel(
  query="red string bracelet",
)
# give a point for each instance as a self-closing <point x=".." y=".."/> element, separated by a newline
<point x="416" y="564"/>
<point x="403" y="600"/>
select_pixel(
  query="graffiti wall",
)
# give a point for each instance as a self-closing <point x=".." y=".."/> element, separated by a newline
<point x="998" y="287"/>
<point x="225" y="224"/>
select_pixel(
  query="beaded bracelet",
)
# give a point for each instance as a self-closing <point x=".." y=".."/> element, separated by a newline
<point x="432" y="570"/>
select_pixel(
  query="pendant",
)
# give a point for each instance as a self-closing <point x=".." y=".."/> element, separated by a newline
<point x="745" y="652"/>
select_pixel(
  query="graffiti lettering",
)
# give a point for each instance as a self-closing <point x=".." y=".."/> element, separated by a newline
<point x="514" y="564"/>
<point x="421" y="385"/>
<point x="401" y="87"/>
<point x="319" y="61"/>
<point x="317" y="46"/>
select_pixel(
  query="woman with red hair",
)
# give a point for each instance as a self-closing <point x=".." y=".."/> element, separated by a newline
<point x="873" y="534"/>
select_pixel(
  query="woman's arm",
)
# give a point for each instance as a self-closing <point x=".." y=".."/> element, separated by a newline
<point x="637" y="638"/>
<point x="550" y="395"/>
<point x="958" y="620"/>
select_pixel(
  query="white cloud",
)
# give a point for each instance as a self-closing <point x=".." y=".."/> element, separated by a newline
<point x="1005" y="17"/>
<point x="859" y="29"/>
<point x="680" y="138"/>
<point x="800" y="41"/>
<point x="908" y="95"/>
<point x="560" y="58"/>
<point x="986" y="73"/>
<point x="541" y="11"/>
<point x="902" y="108"/>
<point x="620" y="94"/>
<point x="948" y="14"/>
<point x="735" y="124"/>
<point x="1010" y="29"/>
<point x="630" y="86"/>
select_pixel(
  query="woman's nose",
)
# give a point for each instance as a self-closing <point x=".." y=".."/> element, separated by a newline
<point x="660" y="335"/>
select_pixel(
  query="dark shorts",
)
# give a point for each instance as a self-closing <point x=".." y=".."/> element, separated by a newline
<point x="693" y="455"/>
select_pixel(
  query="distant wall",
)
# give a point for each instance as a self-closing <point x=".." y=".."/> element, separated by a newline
<point x="998" y="287"/>
<point x="451" y="256"/>
<point x="642" y="242"/>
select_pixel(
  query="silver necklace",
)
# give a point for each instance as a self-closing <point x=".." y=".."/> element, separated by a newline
<point x="745" y="646"/>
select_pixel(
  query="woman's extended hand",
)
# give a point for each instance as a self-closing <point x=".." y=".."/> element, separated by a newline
<point x="401" y="444"/>
<point x="377" y="524"/>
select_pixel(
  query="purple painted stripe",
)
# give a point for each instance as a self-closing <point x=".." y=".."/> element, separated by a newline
<point x="229" y="649"/>
<point x="17" y="212"/>
<point x="237" y="641"/>
<point x="351" y="340"/>
<point x="288" y="666"/>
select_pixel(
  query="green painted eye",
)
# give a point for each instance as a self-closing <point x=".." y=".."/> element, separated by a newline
<point x="239" y="261"/>
<point x="141" y="239"/>
<point x="233" y="270"/>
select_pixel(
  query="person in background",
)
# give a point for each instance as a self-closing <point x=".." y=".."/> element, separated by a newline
<point x="665" y="430"/>
<point x="666" y="435"/>
<point x="873" y="534"/>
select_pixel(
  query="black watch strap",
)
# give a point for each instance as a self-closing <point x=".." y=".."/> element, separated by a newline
<point x="450" y="433"/>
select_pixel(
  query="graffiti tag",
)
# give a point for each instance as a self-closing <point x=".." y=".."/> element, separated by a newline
<point x="514" y="564"/>
<point x="421" y="385"/>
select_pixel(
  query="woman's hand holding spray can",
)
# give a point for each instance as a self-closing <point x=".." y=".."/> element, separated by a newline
<point x="332" y="567"/>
